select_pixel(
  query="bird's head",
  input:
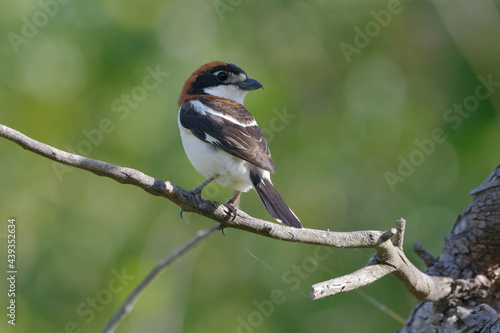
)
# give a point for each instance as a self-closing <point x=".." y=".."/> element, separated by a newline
<point x="220" y="79"/>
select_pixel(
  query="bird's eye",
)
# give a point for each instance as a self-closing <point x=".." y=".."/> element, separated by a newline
<point x="222" y="76"/>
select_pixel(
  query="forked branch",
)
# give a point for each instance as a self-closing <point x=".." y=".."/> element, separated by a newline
<point x="389" y="258"/>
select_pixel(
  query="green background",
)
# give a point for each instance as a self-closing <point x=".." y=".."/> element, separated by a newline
<point x="342" y="110"/>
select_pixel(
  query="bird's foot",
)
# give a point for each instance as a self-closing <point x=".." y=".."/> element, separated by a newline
<point x="233" y="211"/>
<point x="222" y="228"/>
<point x="197" y="192"/>
<point x="231" y="205"/>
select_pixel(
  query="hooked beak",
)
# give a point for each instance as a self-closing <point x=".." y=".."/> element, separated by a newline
<point x="250" y="84"/>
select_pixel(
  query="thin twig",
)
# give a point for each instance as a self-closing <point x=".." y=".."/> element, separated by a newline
<point x="128" y="304"/>
<point x="427" y="257"/>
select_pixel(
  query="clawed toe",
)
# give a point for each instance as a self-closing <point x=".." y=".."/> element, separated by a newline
<point x="222" y="228"/>
<point x="197" y="193"/>
<point x="231" y="205"/>
<point x="233" y="211"/>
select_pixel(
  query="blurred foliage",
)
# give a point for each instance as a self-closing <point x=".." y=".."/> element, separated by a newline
<point x="341" y="109"/>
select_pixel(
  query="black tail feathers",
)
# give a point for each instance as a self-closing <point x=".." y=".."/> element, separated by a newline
<point x="273" y="201"/>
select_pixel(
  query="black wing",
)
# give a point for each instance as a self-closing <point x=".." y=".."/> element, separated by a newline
<point x="235" y="132"/>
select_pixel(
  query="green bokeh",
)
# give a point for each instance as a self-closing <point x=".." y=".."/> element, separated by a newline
<point x="336" y="125"/>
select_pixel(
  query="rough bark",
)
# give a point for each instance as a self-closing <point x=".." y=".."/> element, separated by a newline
<point x="471" y="257"/>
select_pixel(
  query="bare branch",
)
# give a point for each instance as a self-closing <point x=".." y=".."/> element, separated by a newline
<point x="389" y="258"/>
<point x="428" y="258"/>
<point x="400" y="234"/>
<point x="189" y="202"/>
<point x="360" y="278"/>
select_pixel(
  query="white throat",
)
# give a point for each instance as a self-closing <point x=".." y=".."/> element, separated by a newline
<point x="231" y="92"/>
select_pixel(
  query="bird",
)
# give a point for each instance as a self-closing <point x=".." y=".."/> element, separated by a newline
<point x="222" y="139"/>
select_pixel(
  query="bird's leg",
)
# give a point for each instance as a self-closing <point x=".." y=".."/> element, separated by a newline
<point x="197" y="191"/>
<point x="233" y="200"/>
<point x="231" y="203"/>
<point x="232" y="208"/>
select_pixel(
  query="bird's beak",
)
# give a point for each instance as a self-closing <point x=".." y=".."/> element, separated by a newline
<point x="250" y="84"/>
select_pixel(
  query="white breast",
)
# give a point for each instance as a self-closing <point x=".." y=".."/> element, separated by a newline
<point x="211" y="161"/>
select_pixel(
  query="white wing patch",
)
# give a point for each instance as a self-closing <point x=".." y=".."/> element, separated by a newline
<point x="203" y="109"/>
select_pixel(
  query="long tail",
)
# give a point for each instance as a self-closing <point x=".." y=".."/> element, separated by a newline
<point x="273" y="201"/>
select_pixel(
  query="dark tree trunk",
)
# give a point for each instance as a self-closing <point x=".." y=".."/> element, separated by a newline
<point x="471" y="256"/>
